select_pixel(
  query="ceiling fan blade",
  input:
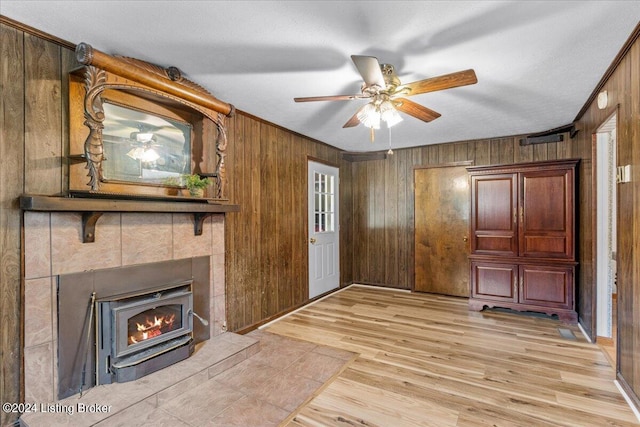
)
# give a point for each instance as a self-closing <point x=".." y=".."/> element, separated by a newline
<point x="369" y="69"/>
<point x="327" y="98"/>
<point x="353" y="121"/>
<point x="416" y="110"/>
<point x="447" y="81"/>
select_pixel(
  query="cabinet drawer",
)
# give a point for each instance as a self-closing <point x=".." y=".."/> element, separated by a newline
<point x="494" y="281"/>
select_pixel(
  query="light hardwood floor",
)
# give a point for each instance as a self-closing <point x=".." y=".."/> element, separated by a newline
<point x="425" y="360"/>
<point x="608" y="345"/>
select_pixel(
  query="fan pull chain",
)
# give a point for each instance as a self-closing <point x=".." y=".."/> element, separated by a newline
<point x="372" y="134"/>
<point x="390" y="152"/>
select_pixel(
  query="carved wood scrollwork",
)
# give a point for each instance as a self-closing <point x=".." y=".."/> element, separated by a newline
<point x="166" y="87"/>
<point x="94" y="117"/>
<point x="221" y="148"/>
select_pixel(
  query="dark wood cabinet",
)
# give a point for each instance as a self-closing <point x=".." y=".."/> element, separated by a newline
<point x="494" y="281"/>
<point x="522" y="237"/>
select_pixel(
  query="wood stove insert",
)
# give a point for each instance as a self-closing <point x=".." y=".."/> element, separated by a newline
<point x="138" y="334"/>
<point x="182" y="285"/>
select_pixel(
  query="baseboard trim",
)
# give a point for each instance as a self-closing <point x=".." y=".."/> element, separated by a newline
<point x="622" y="386"/>
<point x="380" y="287"/>
<point x="604" y="341"/>
<point x="309" y="304"/>
<point x="584" y="332"/>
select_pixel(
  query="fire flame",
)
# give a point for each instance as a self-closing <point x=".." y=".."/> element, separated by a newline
<point x="152" y="328"/>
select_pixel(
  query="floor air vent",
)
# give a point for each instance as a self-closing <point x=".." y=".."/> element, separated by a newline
<point x="567" y="334"/>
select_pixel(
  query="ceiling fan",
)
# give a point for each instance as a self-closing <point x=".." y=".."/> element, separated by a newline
<point x="387" y="94"/>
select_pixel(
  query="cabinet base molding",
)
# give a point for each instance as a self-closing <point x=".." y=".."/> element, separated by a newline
<point x="564" y="315"/>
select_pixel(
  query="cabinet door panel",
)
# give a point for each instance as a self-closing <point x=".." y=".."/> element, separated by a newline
<point x="493" y="214"/>
<point x="494" y="281"/>
<point x="546" y="214"/>
<point x="550" y="286"/>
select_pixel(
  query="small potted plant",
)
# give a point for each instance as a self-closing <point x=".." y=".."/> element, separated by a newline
<point x="196" y="184"/>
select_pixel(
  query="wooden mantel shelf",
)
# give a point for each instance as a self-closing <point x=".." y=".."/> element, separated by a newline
<point x="93" y="208"/>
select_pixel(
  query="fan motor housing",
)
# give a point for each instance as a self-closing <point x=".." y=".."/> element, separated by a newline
<point x="390" y="77"/>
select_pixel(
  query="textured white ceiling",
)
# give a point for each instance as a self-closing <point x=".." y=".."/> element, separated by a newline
<point x="537" y="62"/>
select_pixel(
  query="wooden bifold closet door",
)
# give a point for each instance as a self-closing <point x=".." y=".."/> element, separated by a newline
<point x="442" y="202"/>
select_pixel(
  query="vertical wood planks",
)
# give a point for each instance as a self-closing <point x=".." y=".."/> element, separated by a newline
<point x="625" y="85"/>
<point x="391" y="241"/>
<point x="269" y="169"/>
<point x="43" y="116"/>
<point x="346" y="222"/>
<point x="251" y="225"/>
<point x="285" y="233"/>
<point x="299" y="250"/>
<point x="266" y="253"/>
<point x="11" y="186"/>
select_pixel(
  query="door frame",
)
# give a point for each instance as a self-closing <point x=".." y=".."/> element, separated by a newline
<point x="310" y="160"/>
<point x="597" y="287"/>
<point x="412" y="264"/>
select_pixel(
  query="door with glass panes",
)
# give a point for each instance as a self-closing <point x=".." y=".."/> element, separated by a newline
<point x="323" y="242"/>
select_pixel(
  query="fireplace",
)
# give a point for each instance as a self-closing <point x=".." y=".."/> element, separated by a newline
<point x="120" y="324"/>
<point x="138" y="334"/>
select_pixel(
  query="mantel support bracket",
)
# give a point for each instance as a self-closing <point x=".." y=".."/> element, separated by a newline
<point x="89" y="220"/>
<point x="199" y="218"/>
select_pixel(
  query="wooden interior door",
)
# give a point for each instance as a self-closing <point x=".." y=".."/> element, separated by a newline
<point x="442" y="202"/>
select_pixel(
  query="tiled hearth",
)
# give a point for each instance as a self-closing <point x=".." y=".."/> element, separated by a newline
<point x="53" y="246"/>
<point x="255" y="380"/>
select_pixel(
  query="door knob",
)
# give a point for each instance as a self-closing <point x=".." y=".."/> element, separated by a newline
<point x="312" y="240"/>
<point x="465" y="239"/>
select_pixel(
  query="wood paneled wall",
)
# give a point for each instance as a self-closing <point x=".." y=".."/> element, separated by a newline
<point x="33" y="140"/>
<point x="623" y="87"/>
<point x="383" y="200"/>
<point x="266" y="242"/>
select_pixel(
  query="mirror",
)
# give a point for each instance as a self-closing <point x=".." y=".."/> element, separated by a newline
<point x="136" y="128"/>
<point x="144" y="148"/>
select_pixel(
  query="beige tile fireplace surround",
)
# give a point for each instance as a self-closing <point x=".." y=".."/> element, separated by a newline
<point x="53" y="246"/>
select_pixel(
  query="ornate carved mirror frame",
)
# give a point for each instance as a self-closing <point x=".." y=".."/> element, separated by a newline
<point x="144" y="87"/>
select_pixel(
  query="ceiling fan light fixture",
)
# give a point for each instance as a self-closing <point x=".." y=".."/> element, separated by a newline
<point x="150" y="155"/>
<point x="370" y="116"/>
<point x="146" y="155"/>
<point x="389" y="114"/>
<point x="142" y="136"/>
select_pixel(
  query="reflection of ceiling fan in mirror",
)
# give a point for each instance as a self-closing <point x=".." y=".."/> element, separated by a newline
<point x="143" y="141"/>
<point x="388" y="96"/>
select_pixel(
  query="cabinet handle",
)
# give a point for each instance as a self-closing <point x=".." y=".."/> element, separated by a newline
<point x="521" y="281"/>
<point x="515" y="215"/>
<point x="521" y="214"/>
<point x="515" y="286"/>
